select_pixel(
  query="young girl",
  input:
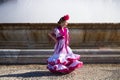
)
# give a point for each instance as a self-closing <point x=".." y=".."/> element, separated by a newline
<point x="63" y="60"/>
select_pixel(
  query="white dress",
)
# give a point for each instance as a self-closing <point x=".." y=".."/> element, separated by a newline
<point x="63" y="60"/>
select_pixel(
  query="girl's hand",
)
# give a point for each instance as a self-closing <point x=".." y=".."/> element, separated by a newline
<point x="55" y="40"/>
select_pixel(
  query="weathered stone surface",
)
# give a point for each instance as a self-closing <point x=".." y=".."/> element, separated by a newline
<point x="25" y="56"/>
<point x="39" y="72"/>
<point x="82" y="35"/>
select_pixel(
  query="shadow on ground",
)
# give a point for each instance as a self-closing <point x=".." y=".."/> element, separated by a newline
<point x="32" y="74"/>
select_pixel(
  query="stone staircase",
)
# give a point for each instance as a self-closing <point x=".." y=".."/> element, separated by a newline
<point x="36" y="56"/>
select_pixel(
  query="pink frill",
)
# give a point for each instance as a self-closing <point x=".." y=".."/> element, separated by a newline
<point x="64" y="64"/>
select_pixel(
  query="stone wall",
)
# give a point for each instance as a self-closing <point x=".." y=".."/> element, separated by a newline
<point x="82" y="35"/>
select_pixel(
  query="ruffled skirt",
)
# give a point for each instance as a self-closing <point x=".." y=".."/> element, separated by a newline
<point x="64" y="62"/>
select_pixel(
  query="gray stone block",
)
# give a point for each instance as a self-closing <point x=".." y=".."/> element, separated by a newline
<point x="36" y="56"/>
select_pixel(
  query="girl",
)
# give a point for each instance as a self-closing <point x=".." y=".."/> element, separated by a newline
<point x="63" y="60"/>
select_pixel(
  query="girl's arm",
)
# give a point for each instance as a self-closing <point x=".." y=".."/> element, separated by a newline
<point x="52" y="37"/>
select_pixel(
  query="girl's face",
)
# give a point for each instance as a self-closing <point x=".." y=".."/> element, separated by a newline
<point x="64" y="24"/>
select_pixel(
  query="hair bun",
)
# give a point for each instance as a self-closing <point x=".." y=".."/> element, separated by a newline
<point x="66" y="17"/>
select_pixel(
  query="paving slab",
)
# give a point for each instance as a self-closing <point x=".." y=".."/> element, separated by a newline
<point x="39" y="72"/>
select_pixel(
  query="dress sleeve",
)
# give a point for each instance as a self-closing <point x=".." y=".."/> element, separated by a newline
<point x="56" y="32"/>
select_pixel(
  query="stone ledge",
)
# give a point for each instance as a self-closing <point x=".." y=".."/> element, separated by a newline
<point x="27" y="56"/>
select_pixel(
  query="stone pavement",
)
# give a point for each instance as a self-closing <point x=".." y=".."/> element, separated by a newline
<point x="39" y="72"/>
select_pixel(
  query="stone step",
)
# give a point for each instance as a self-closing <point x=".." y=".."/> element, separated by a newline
<point x="50" y="51"/>
<point x="26" y="56"/>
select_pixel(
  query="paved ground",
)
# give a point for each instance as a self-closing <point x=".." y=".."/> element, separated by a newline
<point x="39" y="72"/>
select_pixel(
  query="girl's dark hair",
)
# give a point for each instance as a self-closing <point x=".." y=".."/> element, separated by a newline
<point x="61" y="20"/>
<point x="64" y="18"/>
